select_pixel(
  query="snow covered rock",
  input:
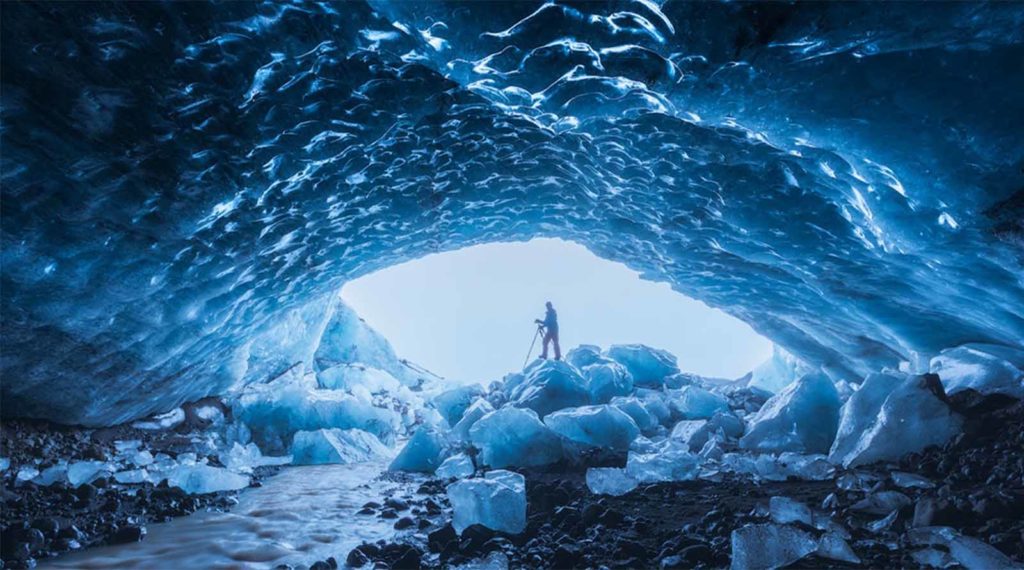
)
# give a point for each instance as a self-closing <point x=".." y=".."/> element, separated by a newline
<point x="768" y="546"/>
<point x="648" y="366"/>
<point x="987" y="368"/>
<point x="607" y="380"/>
<point x="584" y="355"/>
<point x="610" y="481"/>
<point x="423" y="453"/>
<point x="457" y="466"/>
<point x="913" y="416"/>
<point x="474" y="412"/>
<point x="693" y="403"/>
<point x="548" y="386"/>
<point x="496" y="501"/>
<point x="515" y="437"/>
<point x="197" y="479"/>
<point x="336" y="446"/>
<point x="452" y="404"/>
<point x="802" y="418"/>
<point x="601" y="426"/>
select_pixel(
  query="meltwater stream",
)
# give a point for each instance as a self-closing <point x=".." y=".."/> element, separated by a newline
<point x="302" y="515"/>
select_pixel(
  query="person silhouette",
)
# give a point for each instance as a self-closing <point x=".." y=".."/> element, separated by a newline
<point x="550" y="324"/>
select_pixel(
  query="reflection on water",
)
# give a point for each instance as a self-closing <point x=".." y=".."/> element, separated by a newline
<point x="302" y="515"/>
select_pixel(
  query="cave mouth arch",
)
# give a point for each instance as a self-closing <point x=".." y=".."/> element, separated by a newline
<point x="467" y="315"/>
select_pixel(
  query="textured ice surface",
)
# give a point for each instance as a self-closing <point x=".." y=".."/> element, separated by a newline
<point x="636" y="410"/>
<point x="835" y="547"/>
<point x="607" y="380"/>
<point x="692" y="402"/>
<point x="198" y="478"/>
<point x="669" y="462"/>
<point x="514" y="437"/>
<point x="610" y="481"/>
<point x="474" y="412"/>
<point x="779" y="371"/>
<point x="453" y="403"/>
<point x="601" y="426"/>
<point x="784" y="510"/>
<point x="648" y="366"/>
<point x="913" y="416"/>
<point x="424" y="452"/>
<point x="349" y="376"/>
<point x="989" y="369"/>
<point x="336" y="446"/>
<point x="971" y="553"/>
<point x="584" y="355"/>
<point x="767" y="546"/>
<point x="496" y="501"/>
<point x="550" y="385"/>
<point x="162" y="224"/>
<point x="800" y="418"/>
<point x="457" y="466"/>
<point x="861" y="411"/>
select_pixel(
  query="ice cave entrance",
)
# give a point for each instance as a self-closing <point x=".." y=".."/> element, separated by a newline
<point x="467" y="315"/>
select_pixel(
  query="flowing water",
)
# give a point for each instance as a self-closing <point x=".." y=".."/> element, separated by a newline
<point x="297" y="517"/>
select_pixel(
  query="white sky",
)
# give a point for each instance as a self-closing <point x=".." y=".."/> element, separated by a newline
<point x="468" y="315"/>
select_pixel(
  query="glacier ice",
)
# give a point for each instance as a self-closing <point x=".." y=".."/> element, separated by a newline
<point x="861" y="411"/>
<point x="601" y="426"/>
<point x="199" y="478"/>
<point x="548" y="386"/>
<point x="768" y="546"/>
<point x="474" y="412"/>
<point x="497" y="501"/>
<point x="692" y="402"/>
<point x="607" y="380"/>
<point x="669" y="462"/>
<point x="81" y="472"/>
<point x="335" y="446"/>
<point x="636" y="410"/>
<point x="350" y="376"/>
<point x="424" y="452"/>
<point x="784" y="510"/>
<point x="452" y="404"/>
<point x="648" y="366"/>
<point x="584" y="355"/>
<point x="515" y="437"/>
<point x="913" y="416"/>
<point x="970" y="552"/>
<point x="803" y="418"/>
<point x="779" y="371"/>
<point x="610" y="481"/>
<point x="693" y="433"/>
<point x="987" y="368"/>
<point x="835" y="547"/>
<point x="457" y="466"/>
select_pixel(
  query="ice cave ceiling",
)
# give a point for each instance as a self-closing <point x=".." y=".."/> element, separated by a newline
<point x="179" y="178"/>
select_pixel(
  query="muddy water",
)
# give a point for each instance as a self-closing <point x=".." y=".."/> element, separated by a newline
<point x="297" y="517"/>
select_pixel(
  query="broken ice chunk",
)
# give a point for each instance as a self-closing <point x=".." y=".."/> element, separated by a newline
<point x="882" y="524"/>
<point x="496" y="501"/>
<point x="424" y="452"/>
<point x="648" y="366"/>
<point x="672" y="462"/>
<point x="768" y="546"/>
<point x="550" y="385"/>
<point x="81" y="472"/>
<point x="198" y="479"/>
<point x="913" y="416"/>
<point x="474" y="412"/>
<point x="607" y="380"/>
<point x="834" y="547"/>
<point x="933" y="558"/>
<point x="125" y="446"/>
<point x="861" y="410"/>
<point x="132" y="476"/>
<point x="802" y="417"/>
<point x="162" y="421"/>
<point x="693" y="403"/>
<point x="987" y="368"/>
<point x="693" y="433"/>
<point x="496" y="560"/>
<point x="609" y="481"/>
<point x="26" y="473"/>
<point x="326" y="446"/>
<point x="5" y="463"/>
<point x="971" y="553"/>
<point x="456" y="466"/>
<point x="881" y="503"/>
<point x="515" y="437"/>
<point x="911" y="481"/>
<point x="452" y="404"/>
<point x="54" y="474"/>
<point x="601" y="426"/>
<point x="584" y="355"/>
<point x="784" y="510"/>
<point x="636" y="410"/>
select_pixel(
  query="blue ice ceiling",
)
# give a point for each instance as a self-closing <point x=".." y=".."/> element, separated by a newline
<point x="185" y="183"/>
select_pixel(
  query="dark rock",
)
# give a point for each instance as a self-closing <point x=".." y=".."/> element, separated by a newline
<point x="132" y="533"/>
<point x="388" y="514"/>
<point x="404" y="522"/>
<point x="365" y="511"/>
<point x="86" y="492"/>
<point x="358" y="557"/>
<point x="438" y="539"/>
<point x="698" y="553"/>
<point x="566" y="557"/>
<point x="934" y="512"/>
<point x="320" y="565"/>
<point x="372" y="505"/>
<point x="396" y="504"/>
<point x="48" y="526"/>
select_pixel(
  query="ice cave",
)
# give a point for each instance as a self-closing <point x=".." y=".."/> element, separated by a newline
<point x="187" y="188"/>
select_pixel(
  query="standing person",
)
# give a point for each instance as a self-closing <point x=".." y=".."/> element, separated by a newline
<point x="550" y="324"/>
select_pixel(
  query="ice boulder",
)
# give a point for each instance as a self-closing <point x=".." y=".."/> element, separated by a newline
<point x="548" y="386"/>
<point x="657" y="407"/>
<point x="496" y="501"/>
<point x="671" y="462"/>
<point x="648" y="366"/>
<point x="768" y="546"/>
<point x="696" y="433"/>
<point x="970" y="552"/>
<point x="515" y="437"/>
<point x="336" y="446"/>
<point x="636" y="410"/>
<point x="452" y="404"/>
<point x="693" y="403"/>
<point x="423" y="453"/>
<point x="197" y="479"/>
<point x="584" y="355"/>
<point x="456" y="466"/>
<point x="986" y="368"/>
<point x="607" y="380"/>
<point x="474" y="412"/>
<point x="779" y="371"/>
<point x="81" y="472"/>
<point x="802" y="418"/>
<point x="610" y="481"/>
<point x="861" y="411"/>
<point x="603" y="426"/>
<point x="349" y="376"/>
<point x="913" y="416"/>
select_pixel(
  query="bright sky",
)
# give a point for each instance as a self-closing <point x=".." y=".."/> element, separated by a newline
<point x="468" y="315"/>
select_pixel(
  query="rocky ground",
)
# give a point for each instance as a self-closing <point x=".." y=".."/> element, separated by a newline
<point x="974" y="484"/>
<point x="41" y="521"/>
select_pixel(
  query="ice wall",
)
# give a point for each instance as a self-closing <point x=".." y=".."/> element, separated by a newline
<point x="183" y="184"/>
